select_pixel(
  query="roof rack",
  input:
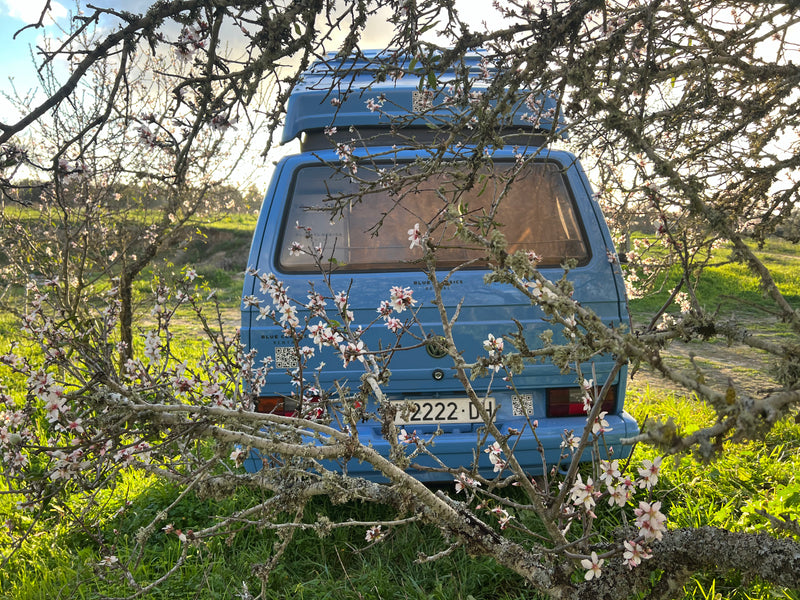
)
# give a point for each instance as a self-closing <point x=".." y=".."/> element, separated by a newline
<point x="389" y="91"/>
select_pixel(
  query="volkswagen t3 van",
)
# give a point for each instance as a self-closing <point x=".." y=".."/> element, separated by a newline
<point x="547" y="209"/>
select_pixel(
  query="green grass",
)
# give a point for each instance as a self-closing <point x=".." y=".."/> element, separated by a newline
<point x="218" y="253"/>
<point x="726" y="492"/>
<point x="63" y="564"/>
<point x="732" y="288"/>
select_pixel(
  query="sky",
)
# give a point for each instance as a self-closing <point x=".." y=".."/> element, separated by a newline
<point x="15" y="53"/>
<point x="16" y="62"/>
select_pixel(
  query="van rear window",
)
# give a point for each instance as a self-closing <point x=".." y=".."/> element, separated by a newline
<point x="533" y="209"/>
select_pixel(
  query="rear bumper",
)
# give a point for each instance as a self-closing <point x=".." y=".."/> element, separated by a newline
<point x="462" y="448"/>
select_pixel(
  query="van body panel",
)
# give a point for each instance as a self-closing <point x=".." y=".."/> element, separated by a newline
<point x="484" y="309"/>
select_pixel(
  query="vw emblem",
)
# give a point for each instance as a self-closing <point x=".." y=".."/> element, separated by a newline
<point x="437" y="346"/>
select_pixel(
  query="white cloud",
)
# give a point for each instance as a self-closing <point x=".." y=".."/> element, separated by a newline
<point x="29" y="11"/>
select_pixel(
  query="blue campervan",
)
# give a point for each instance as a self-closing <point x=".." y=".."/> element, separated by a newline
<point x="347" y="116"/>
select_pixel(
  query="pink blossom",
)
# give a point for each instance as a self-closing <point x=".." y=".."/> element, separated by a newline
<point x="463" y="482"/>
<point x="222" y="123"/>
<point x="108" y="561"/>
<point x="592" y="566"/>
<point x="385" y="309"/>
<point x="660" y="225"/>
<point x="374" y="534"/>
<point x="600" y="424"/>
<point x="41" y="384"/>
<point x="152" y="347"/>
<point x="495" y="452"/>
<point x="534" y="288"/>
<point x="394" y="324"/>
<point x="634" y="554"/>
<point x="352" y="351"/>
<point x="649" y="473"/>
<point x="146" y="136"/>
<point x="289" y="315"/>
<point x="570" y="441"/>
<point x="503" y="517"/>
<point x="401" y="298"/>
<point x="344" y="152"/>
<point x="340" y="299"/>
<point x="19" y="460"/>
<point x="323" y="335"/>
<point x="316" y="304"/>
<point x="414" y="236"/>
<point x="493" y="448"/>
<point x="54" y="409"/>
<point x="407" y="438"/>
<point x="237" y="456"/>
<point x="618" y="495"/>
<point x="583" y="493"/>
<point x="650" y="520"/>
<point x="125" y="456"/>
<point x="609" y="471"/>
<point x="493" y="345"/>
<point x="72" y="426"/>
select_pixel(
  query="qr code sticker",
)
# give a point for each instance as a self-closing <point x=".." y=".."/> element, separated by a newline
<point x="522" y="404"/>
<point x="421" y="101"/>
<point x="285" y="357"/>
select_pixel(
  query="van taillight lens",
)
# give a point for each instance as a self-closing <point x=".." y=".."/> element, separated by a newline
<point x="276" y="405"/>
<point x="568" y="402"/>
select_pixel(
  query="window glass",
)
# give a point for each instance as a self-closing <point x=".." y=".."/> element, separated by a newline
<point x="531" y="206"/>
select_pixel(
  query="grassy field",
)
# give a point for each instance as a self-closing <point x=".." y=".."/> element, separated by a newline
<point x="730" y="287"/>
<point x="61" y="561"/>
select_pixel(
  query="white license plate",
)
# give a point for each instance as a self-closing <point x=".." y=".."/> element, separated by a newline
<point x="439" y="410"/>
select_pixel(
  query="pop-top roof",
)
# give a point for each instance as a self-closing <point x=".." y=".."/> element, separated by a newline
<point x="343" y="92"/>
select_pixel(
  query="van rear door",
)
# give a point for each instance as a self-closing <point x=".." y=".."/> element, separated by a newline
<point x="545" y="211"/>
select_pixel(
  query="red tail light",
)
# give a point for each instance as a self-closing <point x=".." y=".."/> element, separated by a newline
<point x="276" y="405"/>
<point x="568" y="402"/>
